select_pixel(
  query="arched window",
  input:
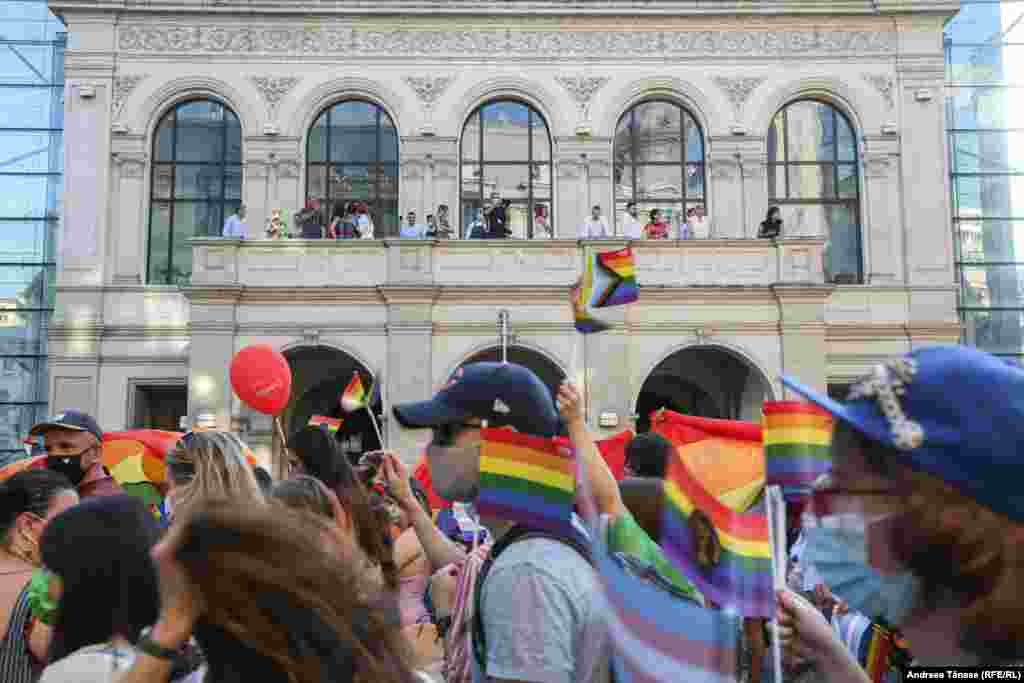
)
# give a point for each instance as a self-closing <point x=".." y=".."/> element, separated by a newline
<point x="812" y="177"/>
<point x="196" y="184"/>
<point x="506" y="155"/>
<point x="659" y="161"/>
<point x="352" y="155"/>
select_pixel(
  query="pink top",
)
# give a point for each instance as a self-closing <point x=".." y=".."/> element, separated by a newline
<point x="410" y="599"/>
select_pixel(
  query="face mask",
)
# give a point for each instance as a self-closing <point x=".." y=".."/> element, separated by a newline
<point x="840" y="556"/>
<point x="44" y="608"/>
<point x="455" y="471"/>
<point x="69" y="466"/>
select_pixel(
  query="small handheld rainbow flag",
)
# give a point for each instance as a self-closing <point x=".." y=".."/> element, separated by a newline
<point x="613" y="278"/>
<point x="726" y="554"/>
<point x="585" y="324"/>
<point x="526" y="479"/>
<point x="797" y="442"/>
<point x="333" y="424"/>
<point x="355" y="395"/>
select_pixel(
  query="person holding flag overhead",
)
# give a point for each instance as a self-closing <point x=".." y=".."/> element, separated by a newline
<point x="539" y="614"/>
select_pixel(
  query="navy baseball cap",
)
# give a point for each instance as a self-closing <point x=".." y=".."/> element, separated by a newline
<point x="69" y="419"/>
<point x="501" y="393"/>
<point x="954" y="412"/>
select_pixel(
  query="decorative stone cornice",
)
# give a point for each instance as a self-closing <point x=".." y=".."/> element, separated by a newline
<point x="345" y="39"/>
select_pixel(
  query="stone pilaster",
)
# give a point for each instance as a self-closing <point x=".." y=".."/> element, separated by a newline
<point x="724" y="192"/>
<point x="802" y="333"/>
<point x="129" y="222"/>
<point x="212" y="322"/>
<point x="754" y="188"/>
<point x="882" y="227"/>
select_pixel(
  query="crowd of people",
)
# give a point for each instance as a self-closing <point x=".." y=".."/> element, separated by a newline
<point x="348" y="569"/>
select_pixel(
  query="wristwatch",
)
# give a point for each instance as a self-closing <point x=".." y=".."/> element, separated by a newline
<point x="152" y="648"/>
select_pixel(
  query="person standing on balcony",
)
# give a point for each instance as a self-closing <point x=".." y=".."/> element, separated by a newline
<point x="657" y="229"/>
<point x="631" y="227"/>
<point x="234" y="226"/>
<point x="444" y="226"/>
<point x="699" y="225"/>
<point x="771" y="228"/>
<point x="541" y="227"/>
<point x="477" y="230"/>
<point x="364" y="222"/>
<point x="410" y="229"/>
<point x="595" y="226"/>
<point x="312" y="227"/>
<point x="497" y="228"/>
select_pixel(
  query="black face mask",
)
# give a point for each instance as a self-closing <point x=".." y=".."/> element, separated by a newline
<point x="70" y="466"/>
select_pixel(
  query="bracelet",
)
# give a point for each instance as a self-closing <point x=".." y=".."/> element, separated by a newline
<point x="148" y="646"/>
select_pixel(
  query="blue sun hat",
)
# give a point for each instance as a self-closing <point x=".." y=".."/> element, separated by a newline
<point x="952" y="411"/>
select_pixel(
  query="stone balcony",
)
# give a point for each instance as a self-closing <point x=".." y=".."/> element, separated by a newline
<point x="487" y="263"/>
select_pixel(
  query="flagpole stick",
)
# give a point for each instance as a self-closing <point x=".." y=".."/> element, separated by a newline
<point x="283" y="459"/>
<point x="376" y="427"/>
<point x="385" y="415"/>
<point x="777" y="536"/>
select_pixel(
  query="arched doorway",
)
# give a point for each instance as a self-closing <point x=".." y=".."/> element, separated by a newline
<point x="705" y="381"/>
<point x="546" y="369"/>
<point x="319" y="376"/>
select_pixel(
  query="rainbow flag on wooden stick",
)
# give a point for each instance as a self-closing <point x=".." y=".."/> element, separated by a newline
<point x="797" y="443"/>
<point x="526" y="479"/>
<point x="725" y="553"/>
<point x="333" y="424"/>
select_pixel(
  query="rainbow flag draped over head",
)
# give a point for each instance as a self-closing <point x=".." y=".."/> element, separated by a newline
<point x="726" y="554"/>
<point x="797" y="443"/>
<point x="725" y="456"/>
<point x="333" y="424"/>
<point x="579" y="294"/>
<point x="664" y="641"/>
<point x="355" y="395"/>
<point x="613" y="278"/>
<point x="526" y="479"/>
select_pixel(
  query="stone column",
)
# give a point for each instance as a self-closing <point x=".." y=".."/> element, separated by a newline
<point x="802" y="332"/>
<point x="583" y="177"/>
<point x="286" y="187"/>
<point x="129" y="222"/>
<point x="882" y="227"/>
<point x="212" y="320"/>
<point x="407" y="369"/>
<point x="724" y="195"/>
<point x="256" y="196"/>
<point x="754" y="190"/>
<point x="570" y="196"/>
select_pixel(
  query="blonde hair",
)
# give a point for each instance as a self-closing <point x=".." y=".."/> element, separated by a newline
<point x="211" y="465"/>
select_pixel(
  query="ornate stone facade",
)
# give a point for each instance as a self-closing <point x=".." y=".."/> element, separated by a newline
<point x="414" y="311"/>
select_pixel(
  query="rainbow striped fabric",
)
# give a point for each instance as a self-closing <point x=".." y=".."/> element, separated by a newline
<point x="355" y="395"/>
<point x="526" y="479"/>
<point x="658" y="640"/>
<point x="725" y="553"/>
<point x="797" y="442"/>
<point x="585" y="323"/>
<point x="333" y="424"/>
<point x="613" y="278"/>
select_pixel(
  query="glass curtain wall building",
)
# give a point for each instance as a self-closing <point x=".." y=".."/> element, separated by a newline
<point x="984" y="92"/>
<point x="32" y="44"/>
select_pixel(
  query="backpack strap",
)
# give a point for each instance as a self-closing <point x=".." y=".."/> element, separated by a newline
<point x="516" y="534"/>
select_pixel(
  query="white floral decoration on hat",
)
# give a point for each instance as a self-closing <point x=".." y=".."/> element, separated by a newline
<point x="886" y="384"/>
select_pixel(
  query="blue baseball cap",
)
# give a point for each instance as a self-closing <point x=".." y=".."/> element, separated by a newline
<point x="72" y="420"/>
<point x="954" y="412"/>
<point x="501" y="393"/>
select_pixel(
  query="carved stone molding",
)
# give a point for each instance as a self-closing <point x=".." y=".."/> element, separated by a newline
<point x="287" y="168"/>
<point x="123" y="87"/>
<point x="724" y="168"/>
<point x="582" y="89"/>
<point x="130" y="165"/>
<point x="879" y="165"/>
<point x="367" y="41"/>
<point x="257" y="169"/>
<point x="738" y="90"/>
<point x="273" y="90"/>
<point x="570" y="168"/>
<point x="884" y="85"/>
<point x="428" y="89"/>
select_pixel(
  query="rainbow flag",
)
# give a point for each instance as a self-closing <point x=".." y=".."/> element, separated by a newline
<point x="585" y="324"/>
<point x="725" y="456"/>
<point x="664" y="640"/>
<point x="726" y="554"/>
<point x="613" y="278"/>
<point x="355" y="395"/>
<point x="526" y="479"/>
<point x="333" y="424"/>
<point x="797" y="443"/>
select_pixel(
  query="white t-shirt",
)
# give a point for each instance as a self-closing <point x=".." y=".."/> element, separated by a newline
<point x="594" y="228"/>
<point x="105" y="663"/>
<point x="234" y="227"/>
<point x="365" y="226"/>
<point x="632" y="228"/>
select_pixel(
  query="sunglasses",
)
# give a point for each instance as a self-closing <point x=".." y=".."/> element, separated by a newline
<point x="445" y="435"/>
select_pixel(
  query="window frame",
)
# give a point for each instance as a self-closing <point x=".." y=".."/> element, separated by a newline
<point x="171" y="201"/>
<point x="854" y="203"/>
<point x="374" y="168"/>
<point x="533" y="167"/>
<point x="684" y="114"/>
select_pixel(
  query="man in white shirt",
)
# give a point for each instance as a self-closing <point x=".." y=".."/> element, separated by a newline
<point x="632" y="229"/>
<point x="699" y="225"/>
<point x="411" y="229"/>
<point x="234" y="226"/>
<point x="595" y="227"/>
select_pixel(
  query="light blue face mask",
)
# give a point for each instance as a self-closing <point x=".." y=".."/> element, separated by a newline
<point x="840" y="556"/>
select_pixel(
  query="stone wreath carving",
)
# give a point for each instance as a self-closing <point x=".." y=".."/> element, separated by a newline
<point x="273" y="90"/>
<point x="582" y="89"/>
<point x="738" y="90"/>
<point x="387" y="42"/>
<point x="428" y="89"/>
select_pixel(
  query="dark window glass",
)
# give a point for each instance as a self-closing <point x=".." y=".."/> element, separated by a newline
<point x="196" y="182"/>
<point x="506" y="154"/>
<point x="659" y="161"/>
<point x="813" y="177"/>
<point x="352" y="155"/>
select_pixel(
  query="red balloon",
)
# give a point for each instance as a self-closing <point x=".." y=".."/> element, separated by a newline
<point x="261" y="377"/>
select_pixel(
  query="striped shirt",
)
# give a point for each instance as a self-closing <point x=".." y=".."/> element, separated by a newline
<point x="15" y="661"/>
